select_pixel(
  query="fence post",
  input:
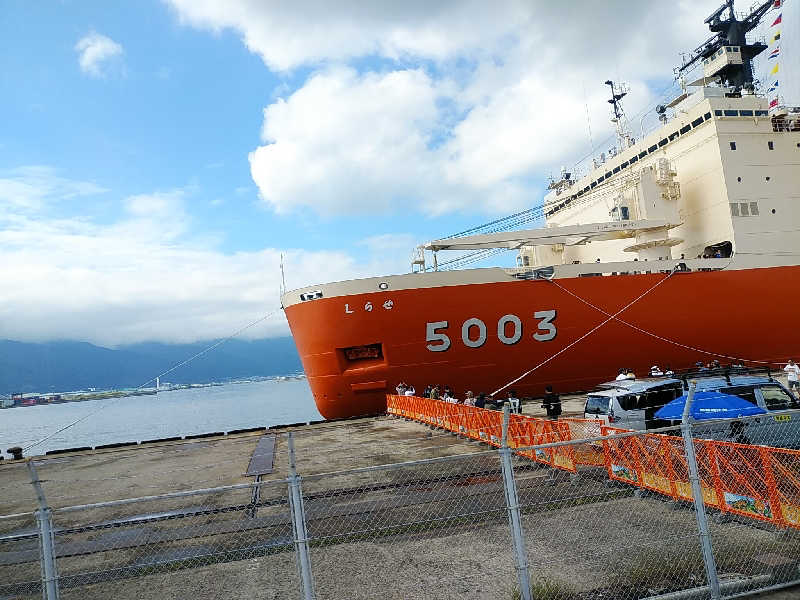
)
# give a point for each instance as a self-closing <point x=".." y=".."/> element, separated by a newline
<point x="47" y="551"/>
<point x="514" y="519"/>
<point x="299" y="526"/>
<point x="697" y="495"/>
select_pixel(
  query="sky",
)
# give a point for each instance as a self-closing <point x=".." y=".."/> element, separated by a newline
<point x="157" y="158"/>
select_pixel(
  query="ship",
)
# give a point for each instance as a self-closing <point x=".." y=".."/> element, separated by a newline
<point x="678" y="247"/>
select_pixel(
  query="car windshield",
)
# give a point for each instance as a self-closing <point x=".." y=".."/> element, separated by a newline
<point x="597" y="405"/>
<point x="776" y="398"/>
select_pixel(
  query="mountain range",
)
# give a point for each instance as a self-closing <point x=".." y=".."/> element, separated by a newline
<point x="68" y="365"/>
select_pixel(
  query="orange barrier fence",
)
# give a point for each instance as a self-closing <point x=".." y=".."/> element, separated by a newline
<point x="753" y="481"/>
<point x="591" y="453"/>
<point x="486" y="426"/>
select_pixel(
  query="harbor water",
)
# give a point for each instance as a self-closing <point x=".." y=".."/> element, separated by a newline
<point x="173" y="413"/>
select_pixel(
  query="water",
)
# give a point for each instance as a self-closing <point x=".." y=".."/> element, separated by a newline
<point x="168" y="414"/>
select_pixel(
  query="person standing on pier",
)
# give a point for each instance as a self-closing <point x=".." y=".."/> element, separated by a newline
<point x="793" y="372"/>
<point x="551" y="403"/>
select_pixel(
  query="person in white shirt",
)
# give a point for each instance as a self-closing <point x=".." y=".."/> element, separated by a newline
<point x="793" y="372"/>
<point x="410" y="391"/>
<point x="622" y="375"/>
<point x="469" y="399"/>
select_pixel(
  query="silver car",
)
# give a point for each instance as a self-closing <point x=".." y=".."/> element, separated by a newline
<point x="780" y="427"/>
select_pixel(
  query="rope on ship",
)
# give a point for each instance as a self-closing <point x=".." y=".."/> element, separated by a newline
<point x="615" y="317"/>
<point x="585" y="335"/>
<point x="170" y="370"/>
<point x="655" y="335"/>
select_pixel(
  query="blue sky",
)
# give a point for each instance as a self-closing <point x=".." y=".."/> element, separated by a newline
<point x="158" y="157"/>
<point x="180" y="108"/>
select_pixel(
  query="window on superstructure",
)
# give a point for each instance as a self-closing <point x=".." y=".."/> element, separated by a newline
<point x="643" y="154"/>
<point x="636" y="158"/>
<point x="762" y="113"/>
<point x="624" y="213"/>
<point x="616" y="170"/>
<point x="770" y="145"/>
<point x="673" y="136"/>
<point x="697" y="121"/>
<point x="734" y="209"/>
<point x="685" y="129"/>
<point x="744" y="209"/>
<point x="707" y="116"/>
<point x="624" y="165"/>
<point x="733" y="145"/>
<point x="745" y="113"/>
<point x="593" y="185"/>
<point x="608" y="174"/>
<point x="663" y="143"/>
<point x="754" y="209"/>
<point x="652" y="148"/>
<point x="731" y="113"/>
<point x="718" y="113"/>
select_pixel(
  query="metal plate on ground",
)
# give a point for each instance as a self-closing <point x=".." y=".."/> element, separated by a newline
<point x="263" y="456"/>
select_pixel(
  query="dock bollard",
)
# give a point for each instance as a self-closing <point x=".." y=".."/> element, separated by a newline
<point x="15" y="452"/>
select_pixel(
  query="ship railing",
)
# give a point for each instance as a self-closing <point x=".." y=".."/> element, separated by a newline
<point x="618" y="268"/>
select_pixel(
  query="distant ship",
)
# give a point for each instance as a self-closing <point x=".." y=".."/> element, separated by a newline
<point x="670" y="247"/>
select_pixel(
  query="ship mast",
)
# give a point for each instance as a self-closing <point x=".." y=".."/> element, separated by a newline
<point x="730" y="31"/>
<point x="618" y="92"/>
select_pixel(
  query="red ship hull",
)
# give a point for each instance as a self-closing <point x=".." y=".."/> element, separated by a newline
<point x="746" y="314"/>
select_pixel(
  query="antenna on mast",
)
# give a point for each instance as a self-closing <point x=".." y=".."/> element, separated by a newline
<point x="618" y="92"/>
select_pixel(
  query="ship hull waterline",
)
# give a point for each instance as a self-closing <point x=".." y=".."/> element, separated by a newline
<point x="743" y="314"/>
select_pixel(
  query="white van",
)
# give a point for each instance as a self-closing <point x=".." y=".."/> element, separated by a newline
<point x="632" y="403"/>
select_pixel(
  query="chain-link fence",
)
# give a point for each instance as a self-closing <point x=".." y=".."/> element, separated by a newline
<point x="562" y="510"/>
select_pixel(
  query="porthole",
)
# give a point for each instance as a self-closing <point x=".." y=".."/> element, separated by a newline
<point x="383" y="285"/>
<point x="739" y="179"/>
<point x="766" y="178"/>
<point x="773" y="211"/>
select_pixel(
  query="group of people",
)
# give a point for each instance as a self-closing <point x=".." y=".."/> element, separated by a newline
<point x="551" y="401"/>
<point x="405" y="389"/>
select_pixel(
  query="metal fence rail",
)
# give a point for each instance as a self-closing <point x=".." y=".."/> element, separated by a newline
<point x="567" y="510"/>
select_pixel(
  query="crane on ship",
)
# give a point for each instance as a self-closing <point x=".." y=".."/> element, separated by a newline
<point x="731" y="31"/>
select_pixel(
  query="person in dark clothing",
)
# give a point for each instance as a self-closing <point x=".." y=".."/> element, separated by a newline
<point x="551" y="403"/>
<point x="495" y="403"/>
<point x="480" y="401"/>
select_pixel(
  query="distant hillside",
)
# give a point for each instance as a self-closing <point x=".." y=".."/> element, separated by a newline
<point x="65" y="366"/>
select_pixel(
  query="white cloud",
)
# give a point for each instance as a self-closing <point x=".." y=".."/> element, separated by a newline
<point x="289" y="34"/>
<point x="30" y="188"/>
<point x="95" y="52"/>
<point x="143" y="276"/>
<point x="480" y="98"/>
